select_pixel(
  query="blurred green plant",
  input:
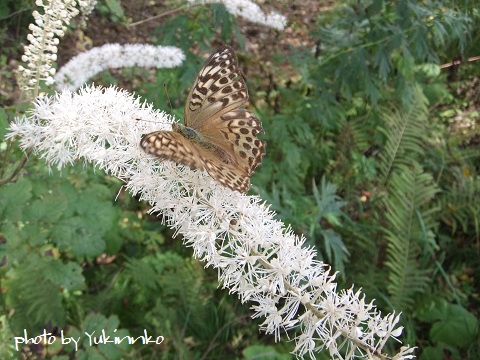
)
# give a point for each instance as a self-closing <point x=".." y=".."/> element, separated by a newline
<point x="113" y="10"/>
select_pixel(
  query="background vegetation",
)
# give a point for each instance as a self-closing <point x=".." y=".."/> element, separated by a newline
<point x="372" y="154"/>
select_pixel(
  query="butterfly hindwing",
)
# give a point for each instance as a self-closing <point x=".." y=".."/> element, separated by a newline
<point x="239" y="129"/>
<point x="228" y="175"/>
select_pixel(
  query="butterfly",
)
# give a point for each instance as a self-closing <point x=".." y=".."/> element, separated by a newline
<point x="218" y="136"/>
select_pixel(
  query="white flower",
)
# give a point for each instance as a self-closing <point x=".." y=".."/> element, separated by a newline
<point x="256" y="256"/>
<point x="86" y="7"/>
<point x="89" y="63"/>
<point x="49" y="26"/>
<point x="249" y="11"/>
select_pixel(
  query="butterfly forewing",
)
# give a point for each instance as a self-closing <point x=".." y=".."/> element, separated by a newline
<point x="170" y="145"/>
<point x="219" y="88"/>
<point x="218" y="136"/>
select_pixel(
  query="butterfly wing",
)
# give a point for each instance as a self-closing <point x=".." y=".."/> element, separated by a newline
<point x="228" y="175"/>
<point x="212" y="108"/>
<point x="171" y="145"/>
<point x="238" y="130"/>
<point x="218" y="89"/>
<point x="220" y="138"/>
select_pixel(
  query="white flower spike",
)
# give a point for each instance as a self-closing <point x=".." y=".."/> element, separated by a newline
<point x="49" y="27"/>
<point x="110" y="56"/>
<point x="250" y="11"/>
<point x="256" y="256"/>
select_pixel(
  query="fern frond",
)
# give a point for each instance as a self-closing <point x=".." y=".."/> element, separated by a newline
<point x="356" y="134"/>
<point x="36" y="298"/>
<point x="409" y="213"/>
<point x="405" y="132"/>
<point x="460" y="205"/>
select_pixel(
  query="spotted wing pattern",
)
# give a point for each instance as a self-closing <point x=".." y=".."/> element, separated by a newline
<point x="218" y="136"/>
<point x="218" y="89"/>
<point x="170" y="145"/>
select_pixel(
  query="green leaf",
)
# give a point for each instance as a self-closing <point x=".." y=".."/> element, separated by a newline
<point x="13" y="198"/>
<point x="142" y="273"/>
<point x="405" y="131"/>
<point x="68" y="276"/>
<point x="115" y="9"/>
<point x="453" y="324"/>
<point x="336" y="250"/>
<point x="328" y="202"/>
<point x="97" y="326"/>
<point x="76" y="235"/>
<point x="36" y="299"/>
<point x="409" y="213"/>
<point x="432" y="353"/>
<point x="49" y="209"/>
<point x="430" y="70"/>
<point x="35" y="234"/>
<point x="90" y="353"/>
<point x="458" y="329"/>
<point x="85" y="222"/>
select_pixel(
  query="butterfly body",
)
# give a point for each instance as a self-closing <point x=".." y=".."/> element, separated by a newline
<point x="192" y="135"/>
<point x="218" y="136"/>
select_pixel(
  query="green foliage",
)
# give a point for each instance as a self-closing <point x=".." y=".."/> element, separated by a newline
<point x="452" y="327"/>
<point x="384" y="40"/>
<point x="263" y="353"/>
<point x="15" y="16"/>
<point x="46" y="221"/>
<point x="406" y="134"/>
<point x="187" y="30"/>
<point x="460" y="205"/>
<point x="112" y="9"/>
<point x="37" y="295"/>
<point x="327" y="208"/>
<point x="404" y="181"/>
<point x="410" y="213"/>
<point x="55" y="276"/>
<point x="92" y="338"/>
<point x="35" y="214"/>
<point x="7" y="347"/>
<point x="410" y="221"/>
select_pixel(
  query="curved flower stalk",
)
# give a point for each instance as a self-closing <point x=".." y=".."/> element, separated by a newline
<point x="249" y="11"/>
<point x="49" y="27"/>
<point x="89" y="63"/>
<point x="256" y="256"/>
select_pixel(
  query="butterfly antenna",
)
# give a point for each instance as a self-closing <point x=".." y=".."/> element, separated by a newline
<point x="168" y="97"/>
<point x="169" y="103"/>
